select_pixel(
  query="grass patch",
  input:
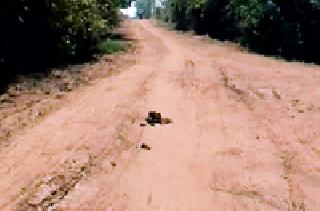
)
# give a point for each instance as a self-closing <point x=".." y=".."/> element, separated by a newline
<point x="110" y="46"/>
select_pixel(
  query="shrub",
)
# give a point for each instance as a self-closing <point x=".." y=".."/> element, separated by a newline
<point x="40" y="34"/>
<point x="290" y="28"/>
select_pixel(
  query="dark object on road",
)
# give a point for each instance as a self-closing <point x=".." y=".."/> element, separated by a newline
<point x="145" y="146"/>
<point x="166" y="121"/>
<point x="155" y="118"/>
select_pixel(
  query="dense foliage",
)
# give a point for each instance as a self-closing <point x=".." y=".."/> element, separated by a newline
<point x="290" y="28"/>
<point x="36" y="34"/>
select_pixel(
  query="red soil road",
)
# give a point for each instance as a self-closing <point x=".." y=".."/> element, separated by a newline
<point x="245" y="135"/>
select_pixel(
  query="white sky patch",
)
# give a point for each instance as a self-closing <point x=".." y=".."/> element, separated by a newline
<point x="158" y="3"/>
<point x="130" y="11"/>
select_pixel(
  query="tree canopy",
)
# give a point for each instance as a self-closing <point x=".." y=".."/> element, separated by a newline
<point x="290" y="28"/>
<point x="36" y="34"/>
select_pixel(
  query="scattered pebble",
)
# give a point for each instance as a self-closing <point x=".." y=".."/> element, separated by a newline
<point x="143" y="125"/>
<point x="145" y="146"/>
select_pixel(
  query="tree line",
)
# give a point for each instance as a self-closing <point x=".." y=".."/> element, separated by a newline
<point x="40" y="33"/>
<point x="289" y="28"/>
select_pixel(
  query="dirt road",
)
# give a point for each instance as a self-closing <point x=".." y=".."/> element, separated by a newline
<point x="245" y="135"/>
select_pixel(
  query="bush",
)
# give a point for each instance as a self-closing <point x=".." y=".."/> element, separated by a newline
<point x="40" y="34"/>
<point x="110" y="46"/>
<point x="290" y="28"/>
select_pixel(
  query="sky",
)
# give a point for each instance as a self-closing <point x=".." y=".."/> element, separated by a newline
<point x="130" y="11"/>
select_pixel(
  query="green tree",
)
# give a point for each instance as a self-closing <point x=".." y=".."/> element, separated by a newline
<point x="290" y="28"/>
<point x="37" y="34"/>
